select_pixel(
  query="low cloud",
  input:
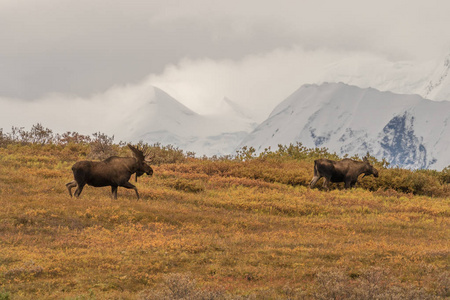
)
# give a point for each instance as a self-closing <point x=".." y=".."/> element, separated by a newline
<point x="260" y="82"/>
<point x="102" y="112"/>
<point x="257" y="83"/>
<point x="82" y="47"/>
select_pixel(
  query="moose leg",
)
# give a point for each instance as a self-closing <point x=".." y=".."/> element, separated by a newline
<point x="79" y="190"/>
<point x="71" y="185"/>
<point x="348" y="184"/>
<point x="326" y="182"/>
<point x="314" y="181"/>
<point x="114" y="192"/>
<point x="128" y="185"/>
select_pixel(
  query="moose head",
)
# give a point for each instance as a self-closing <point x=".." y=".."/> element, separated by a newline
<point x="369" y="169"/>
<point x="142" y="160"/>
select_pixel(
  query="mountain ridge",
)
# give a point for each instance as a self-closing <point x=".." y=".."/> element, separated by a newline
<point x="351" y="120"/>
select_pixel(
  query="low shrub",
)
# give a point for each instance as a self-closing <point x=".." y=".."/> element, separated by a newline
<point x="164" y="154"/>
<point x="419" y="182"/>
<point x="180" y="287"/>
<point x="444" y="176"/>
<point x="185" y="185"/>
<point x="373" y="283"/>
<point x="102" y="147"/>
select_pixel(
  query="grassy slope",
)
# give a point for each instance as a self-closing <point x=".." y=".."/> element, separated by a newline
<point x="239" y="235"/>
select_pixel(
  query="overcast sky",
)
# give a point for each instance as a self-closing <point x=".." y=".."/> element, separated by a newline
<point x="200" y="51"/>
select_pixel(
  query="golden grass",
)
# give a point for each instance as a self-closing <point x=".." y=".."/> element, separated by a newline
<point x="231" y="231"/>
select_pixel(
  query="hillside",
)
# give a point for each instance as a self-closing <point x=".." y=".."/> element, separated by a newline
<point x="218" y="229"/>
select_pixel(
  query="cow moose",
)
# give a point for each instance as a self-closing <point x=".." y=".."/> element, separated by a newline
<point x="114" y="171"/>
<point x="346" y="170"/>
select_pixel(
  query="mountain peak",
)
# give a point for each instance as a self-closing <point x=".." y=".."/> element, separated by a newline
<point x="168" y="103"/>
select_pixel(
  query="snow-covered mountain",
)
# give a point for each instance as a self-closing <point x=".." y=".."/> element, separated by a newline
<point x="438" y="86"/>
<point x="161" y="118"/>
<point x="406" y="130"/>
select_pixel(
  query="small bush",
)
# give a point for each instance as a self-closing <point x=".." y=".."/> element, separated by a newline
<point x="5" y="295"/>
<point x="420" y="182"/>
<point x="28" y="270"/>
<point x="4" y="139"/>
<point x="37" y="135"/>
<point x="165" y="154"/>
<point x="180" y="287"/>
<point x="72" y="138"/>
<point x="444" y="176"/>
<point x="292" y="151"/>
<point x="372" y="284"/>
<point x="102" y="147"/>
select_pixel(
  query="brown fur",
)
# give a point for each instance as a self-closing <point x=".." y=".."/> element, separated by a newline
<point x="346" y="170"/>
<point x="113" y="171"/>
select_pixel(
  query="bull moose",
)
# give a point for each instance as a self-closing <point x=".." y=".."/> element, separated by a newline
<point x="113" y="171"/>
<point x="346" y="170"/>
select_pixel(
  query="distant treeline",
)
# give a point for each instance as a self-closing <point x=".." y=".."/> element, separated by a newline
<point x="96" y="146"/>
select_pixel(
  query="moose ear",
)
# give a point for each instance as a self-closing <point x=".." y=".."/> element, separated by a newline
<point x="137" y="153"/>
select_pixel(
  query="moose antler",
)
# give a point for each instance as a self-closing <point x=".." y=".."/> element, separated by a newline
<point x="137" y="153"/>
<point x="149" y="158"/>
<point x="143" y="152"/>
<point x="147" y="152"/>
